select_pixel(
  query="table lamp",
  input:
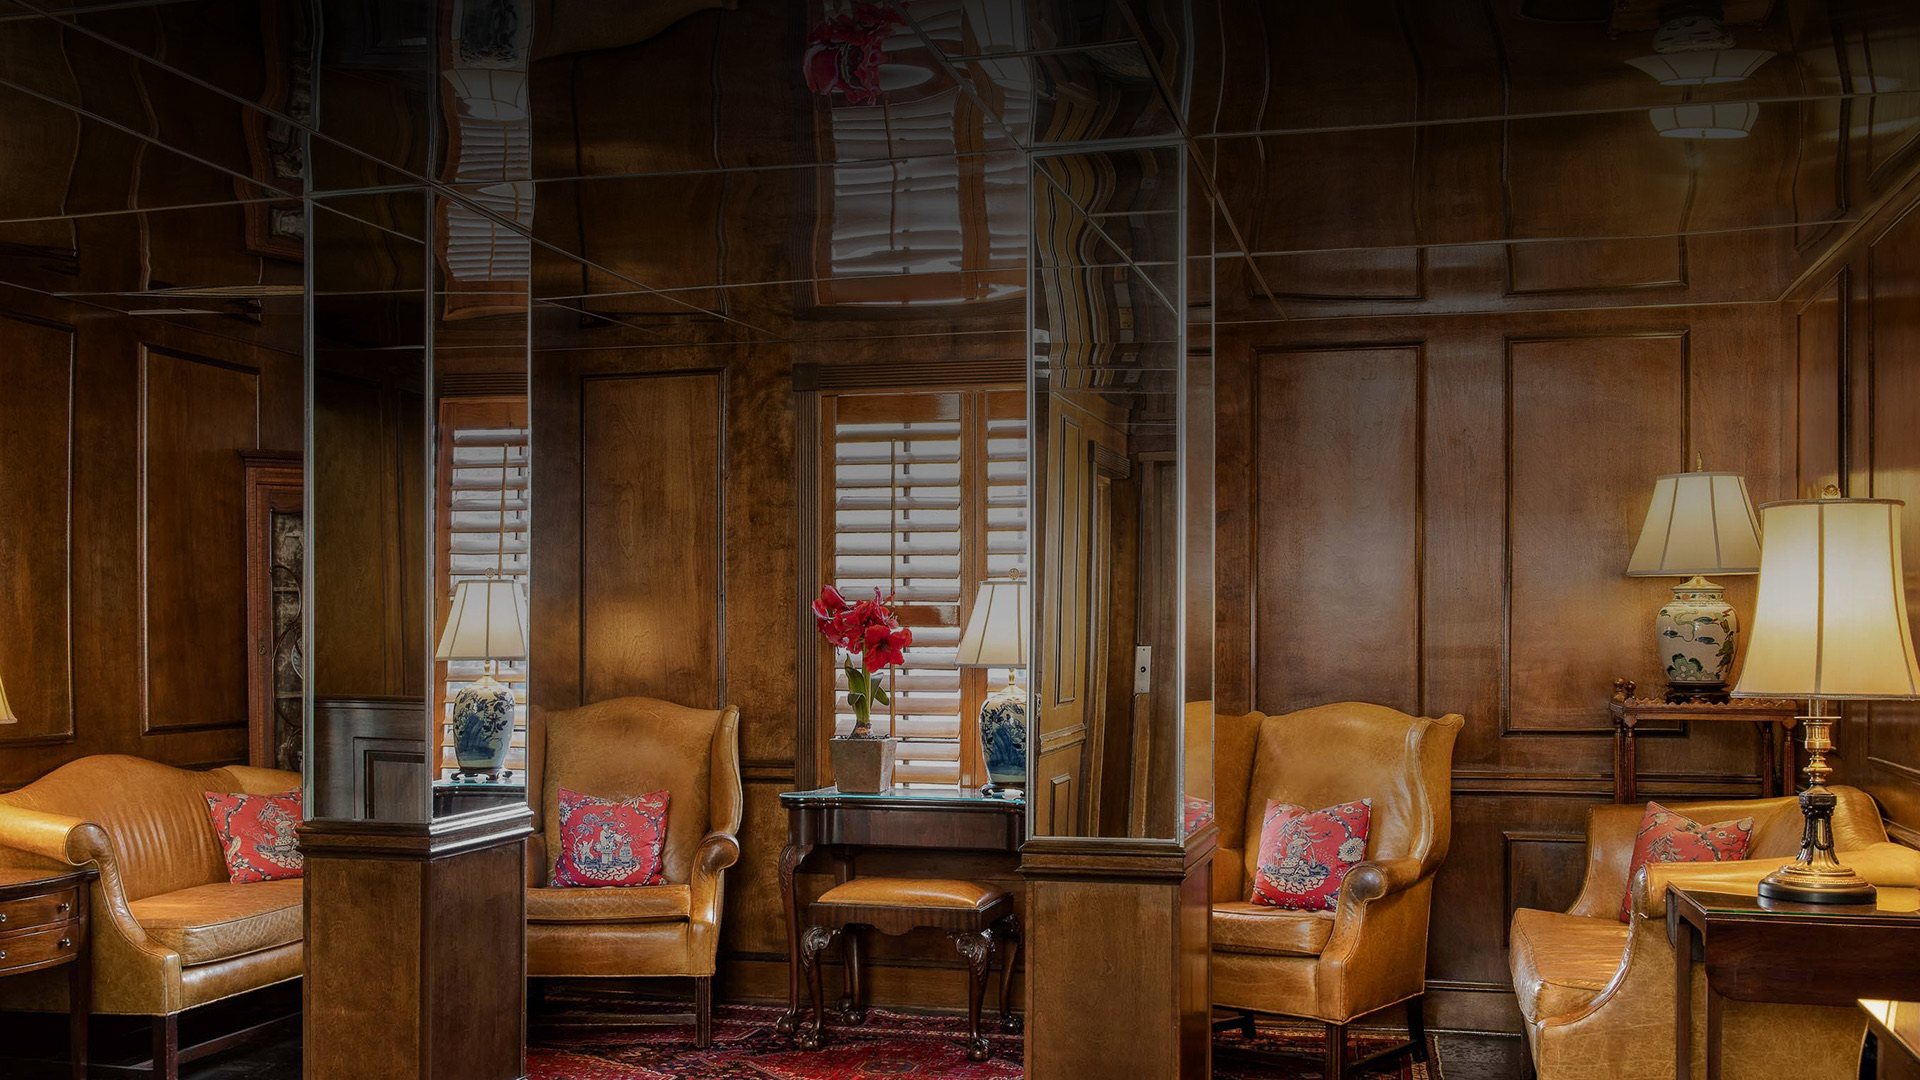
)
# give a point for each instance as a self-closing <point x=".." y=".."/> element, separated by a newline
<point x="996" y="636"/>
<point x="6" y="711"/>
<point x="1830" y="623"/>
<point x="487" y="621"/>
<point x="1697" y="523"/>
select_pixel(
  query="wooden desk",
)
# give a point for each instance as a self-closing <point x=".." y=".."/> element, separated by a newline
<point x="841" y="823"/>
<point x="1896" y="1031"/>
<point x="43" y="924"/>
<point x="1793" y="954"/>
<point x="1774" y="719"/>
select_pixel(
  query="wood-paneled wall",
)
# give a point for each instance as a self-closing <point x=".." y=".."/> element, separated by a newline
<point x="1435" y="513"/>
<point x="122" y="592"/>
<point x="1857" y="329"/>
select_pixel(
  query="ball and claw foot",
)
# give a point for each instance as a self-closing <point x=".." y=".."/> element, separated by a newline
<point x="1010" y="1024"/>
<point x="788" y="1023"/>
<point x="846" y="1012"/>
<point x="807" y="1038"/>
<point x="977" y="1048"/>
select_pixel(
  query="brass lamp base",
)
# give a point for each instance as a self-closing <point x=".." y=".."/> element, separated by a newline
<point x="1818" y="877"/>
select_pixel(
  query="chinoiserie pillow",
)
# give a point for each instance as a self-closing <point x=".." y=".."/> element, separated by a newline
<point x="1305" y="854"/>
<point x="610" y="842"/>
<point x="1667" y="836"/>
<point x="257" y="835"/>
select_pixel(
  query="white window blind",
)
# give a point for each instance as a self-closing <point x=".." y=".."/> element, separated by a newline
<point x="929" y="497"/>
<point x="485" y="498"/>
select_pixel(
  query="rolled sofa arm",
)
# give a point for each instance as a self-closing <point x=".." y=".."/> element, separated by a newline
<point x="1373" y="880"/>
<point x="1890" y="864"/>
<point x="69" y="840"/>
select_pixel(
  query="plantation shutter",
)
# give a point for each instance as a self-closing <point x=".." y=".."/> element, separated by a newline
<point x="929" y="497"/>
<point x="485" y="503"/>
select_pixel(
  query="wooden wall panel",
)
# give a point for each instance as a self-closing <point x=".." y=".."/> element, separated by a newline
<point x="1820" y="443"/>
<point x="36" y="553"/>
<point x="1591" y="422"/>
<point x="195" y="414"/>
<point x="650" y="482"/>
<point x="1339" y="476"/>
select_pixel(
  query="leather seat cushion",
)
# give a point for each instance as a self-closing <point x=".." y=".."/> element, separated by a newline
<point x="208" y="923"/>
<point x="649" y="903"/>
<point x="1269" y="931"/>
<point x="1561" y="962"/>
<point x="938" y="893"/>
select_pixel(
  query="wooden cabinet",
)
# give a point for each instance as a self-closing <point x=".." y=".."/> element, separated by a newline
<point x="276" y="561"/>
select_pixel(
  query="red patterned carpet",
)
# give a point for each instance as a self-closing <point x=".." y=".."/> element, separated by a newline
<point x="581" y="1039"/>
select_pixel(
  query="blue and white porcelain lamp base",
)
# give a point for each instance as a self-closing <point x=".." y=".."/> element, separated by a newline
<point x="483" y="727"/>
<point x="1003" y="740"/>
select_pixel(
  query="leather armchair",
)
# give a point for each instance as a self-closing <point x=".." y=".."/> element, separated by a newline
<point x="1596" y="994"/>
<point x="624" y="747"/>
<point x="170" y="932"/>
<point x="1371" y="952"/>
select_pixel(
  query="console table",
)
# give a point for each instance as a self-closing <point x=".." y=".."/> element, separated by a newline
<point x="1793" y="954"/>
<point x="842" y="823"/>
<point x="1630" y="712"/>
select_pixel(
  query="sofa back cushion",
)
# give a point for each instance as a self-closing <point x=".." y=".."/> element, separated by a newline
<point x="630" y="746"/>
<point x="155" y="815"/>
<point x="1351" y="751"/>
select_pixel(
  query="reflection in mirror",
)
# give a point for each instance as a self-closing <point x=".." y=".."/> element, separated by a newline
<point x="1110" y="682"/>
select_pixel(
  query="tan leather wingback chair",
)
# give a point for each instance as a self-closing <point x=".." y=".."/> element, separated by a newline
<point x="1372" y="952"/>
<point x="625" y="747"/>
<point x="1596" y="994"/>
<point x="170" y="932"/>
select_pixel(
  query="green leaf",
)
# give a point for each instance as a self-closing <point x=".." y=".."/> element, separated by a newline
<point x="880" y="694"/>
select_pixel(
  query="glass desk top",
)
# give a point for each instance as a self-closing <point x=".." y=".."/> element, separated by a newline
<point x="1745" y="900"/>
<point x="930" y="797"/>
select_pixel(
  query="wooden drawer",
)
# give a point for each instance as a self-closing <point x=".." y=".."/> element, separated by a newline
<point x="29" y="912"/>
<point x="39" y="948"/>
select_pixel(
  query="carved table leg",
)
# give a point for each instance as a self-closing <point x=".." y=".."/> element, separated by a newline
<point x="1009" y="934"/>
<point x="1769" y="780"/>
<point x="790" y="859"/>
<point x="816" y="941"/>
<point x="977" y="950"/>
<point x="852" y="1009"/>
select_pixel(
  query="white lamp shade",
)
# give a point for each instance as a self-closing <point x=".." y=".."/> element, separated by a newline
<point x="998" y="626"/>
<point x="1701" y="67"/>
<point x="1831" y="618"/>
<point x="6" y="710"/>
<point x="1718" y="120"/>
<point x="1697" y="523"/>
<point x="488" y="621"/>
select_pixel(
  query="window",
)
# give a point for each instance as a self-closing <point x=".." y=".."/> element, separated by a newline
<point x="927" y="496"/>
<point x="484" y="504"/>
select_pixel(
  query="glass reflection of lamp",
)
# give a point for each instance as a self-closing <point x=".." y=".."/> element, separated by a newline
<point x="1697" y="523"/>
<point x="996" y="636"/>
<point x="487" y="621"/>
<point x="1830" y="622"/>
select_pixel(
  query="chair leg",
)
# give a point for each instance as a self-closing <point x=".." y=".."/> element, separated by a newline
<point x="1247" y="1029"/>
<point x="1417" y="1026"/>
<point x="1009" y="936"/>
<point x="977" y="950"/>
<point x="814" y="942"/>
<point x="852" y="1009"/>
<point x="166" y="1048"/>
<point x="1336" y="1051"/>
<point x="702" y="1012"/>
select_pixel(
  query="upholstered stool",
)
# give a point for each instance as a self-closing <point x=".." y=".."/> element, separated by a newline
<point x="979" y="919"/>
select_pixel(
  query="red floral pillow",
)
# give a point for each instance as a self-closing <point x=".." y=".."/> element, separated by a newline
<point x="610" y="842"/>
<point x="257" y="835"/>
<point x="1305" y="854"/>
<point x="1666" y="836"/>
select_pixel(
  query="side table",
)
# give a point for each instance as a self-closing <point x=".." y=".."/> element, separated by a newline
<point x="1896" y="1030"/>
<point x="1794" y="954"/>
<point x="44" y="924"/>
<point x="1630" y="712"/>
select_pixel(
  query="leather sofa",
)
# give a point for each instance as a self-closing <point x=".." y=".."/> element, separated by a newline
<point x="170" y="932"/>
<point x="625" y="747"/>
<point x="1372" y="952"/>
<point x="1596" y="994"/>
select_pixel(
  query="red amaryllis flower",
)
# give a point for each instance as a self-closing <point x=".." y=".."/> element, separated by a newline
<point x="830" y="618"/>
<point x="885" y="646"/>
